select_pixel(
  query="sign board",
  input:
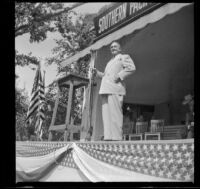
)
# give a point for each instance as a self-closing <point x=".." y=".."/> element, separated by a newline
<point x="119" y="15"/>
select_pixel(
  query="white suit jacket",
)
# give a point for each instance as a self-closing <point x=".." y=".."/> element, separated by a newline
<point x="120" y="65"/>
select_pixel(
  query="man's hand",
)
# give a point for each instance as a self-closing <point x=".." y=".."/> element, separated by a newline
<point x="116" y="78"/>
<point x="97" y="73"/>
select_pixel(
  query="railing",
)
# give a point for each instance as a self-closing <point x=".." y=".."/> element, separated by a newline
<point x="172" y="132"/>
<point x="167" y="132"/>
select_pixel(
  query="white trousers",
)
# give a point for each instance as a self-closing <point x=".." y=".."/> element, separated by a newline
<point x="112" y="116"/>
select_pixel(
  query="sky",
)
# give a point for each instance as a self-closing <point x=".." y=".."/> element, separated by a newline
<point x="42" y="50"/>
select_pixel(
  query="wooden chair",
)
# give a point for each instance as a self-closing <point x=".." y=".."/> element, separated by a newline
<point x="156" y="128"/>
<point x="140" y="129"/>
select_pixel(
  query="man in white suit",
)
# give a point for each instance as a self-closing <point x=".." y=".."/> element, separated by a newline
<point x="112" y="91"/>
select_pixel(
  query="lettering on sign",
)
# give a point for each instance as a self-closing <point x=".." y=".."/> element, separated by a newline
<point x="134" y="7"/>
<point x="120" y="15"/>
<point x="112" y="17"/>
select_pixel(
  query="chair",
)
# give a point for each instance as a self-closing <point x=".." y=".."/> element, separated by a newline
<point x="156" y="128"/>
<point x="140" y="128"/>
<point x="156" y="125"/>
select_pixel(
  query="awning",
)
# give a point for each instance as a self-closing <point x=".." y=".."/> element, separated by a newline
<point x="154" y="16"/>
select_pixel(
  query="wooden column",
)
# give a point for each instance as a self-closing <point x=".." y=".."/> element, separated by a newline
<point x="92" y="65"/>
<point x="54" y="113"/>
<point x="72" y="114"/>
<point x="69" y="103"/>
<point x="50" y="136"/>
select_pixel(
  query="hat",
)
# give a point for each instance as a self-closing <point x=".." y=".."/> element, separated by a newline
<point x="188" y="98"/>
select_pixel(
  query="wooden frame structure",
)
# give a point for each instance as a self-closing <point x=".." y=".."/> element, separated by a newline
<point x="72" y="82"/>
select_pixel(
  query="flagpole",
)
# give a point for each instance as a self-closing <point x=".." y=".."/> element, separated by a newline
<point x="44" y="72"/>
<point x="37" y="123"/>
<point x="39" y="64"/>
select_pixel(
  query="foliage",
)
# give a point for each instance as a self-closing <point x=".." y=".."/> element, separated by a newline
<point x="21" y="106"/>
<point x="22" y="59"/>
<point x="76" y="37"/>
<point x="29" y="18"/>
<point x="21" y="133"/>
<point x="37" y="19"/>
<point x="21" y="100"/>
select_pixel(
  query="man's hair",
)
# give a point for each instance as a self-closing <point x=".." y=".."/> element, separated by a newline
<point x="117" y="43"/>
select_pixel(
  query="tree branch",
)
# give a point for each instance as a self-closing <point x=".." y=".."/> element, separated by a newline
<point x="44" y="18"/>
<point x="22" y="29"/>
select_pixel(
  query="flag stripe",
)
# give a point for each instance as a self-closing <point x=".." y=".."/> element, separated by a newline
<point x="39" y="92"/>
<point x="39" y="89"/>
<point x="38" y="98"/>
<point x="33" y="108"/>
<point x="32" y="111"/>
<point x="34" y="102"/>
<point x="42" y="115"/>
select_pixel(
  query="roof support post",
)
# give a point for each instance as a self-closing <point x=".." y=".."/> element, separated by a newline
<point x="69" y="104"/>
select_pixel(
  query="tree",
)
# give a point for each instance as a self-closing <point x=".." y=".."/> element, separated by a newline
<point x="21" y="106"/>
<point x="76" y="37"/>
<point x="37" y="18"/>
<point x="22" y="59"/>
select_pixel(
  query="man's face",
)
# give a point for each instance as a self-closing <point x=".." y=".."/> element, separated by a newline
<point x="115" y="48"/>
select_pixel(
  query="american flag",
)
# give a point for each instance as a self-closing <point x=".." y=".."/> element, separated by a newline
<point x="146" y="161"/>
<point x="167" y="159"/>
<point x="37" y="103"/>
